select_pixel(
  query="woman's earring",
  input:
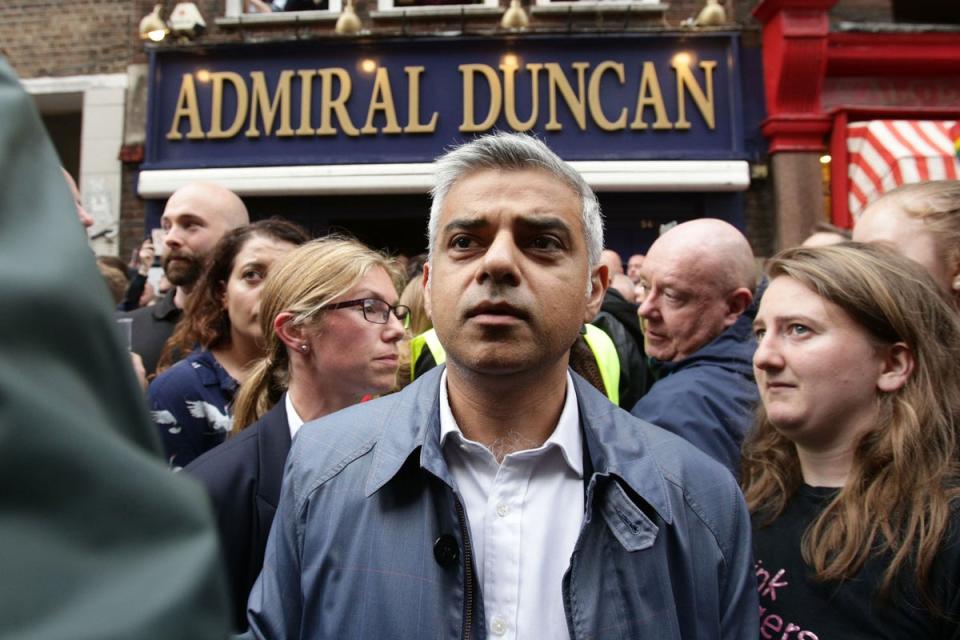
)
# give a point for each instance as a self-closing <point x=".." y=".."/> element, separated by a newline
<point x="304" y="348"/>
<point x="956" y="284"/>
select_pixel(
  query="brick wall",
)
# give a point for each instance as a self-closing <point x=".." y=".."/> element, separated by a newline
<point x="65" y="38"/>
<point x="862" y="11"/>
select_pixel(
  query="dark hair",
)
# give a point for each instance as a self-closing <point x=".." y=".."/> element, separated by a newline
<point x="205" y="322"/>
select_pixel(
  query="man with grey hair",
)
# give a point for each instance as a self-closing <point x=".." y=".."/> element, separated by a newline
<point x="500" y="495"/>
<point x="697" y="315"/>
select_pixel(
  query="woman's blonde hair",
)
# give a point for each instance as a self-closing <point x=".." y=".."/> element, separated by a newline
<point x="937" y="204"/>
<point x="903" y="483"/>
<point x="302" y="282"/>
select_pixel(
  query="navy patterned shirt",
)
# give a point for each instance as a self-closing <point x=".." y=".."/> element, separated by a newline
<point x="190" y="405"/>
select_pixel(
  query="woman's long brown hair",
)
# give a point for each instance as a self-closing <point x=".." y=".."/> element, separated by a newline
<point x="903" y="483"/>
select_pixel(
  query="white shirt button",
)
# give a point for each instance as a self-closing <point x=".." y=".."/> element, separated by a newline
<point x="503" y="509"/>
<point x="498" y="627"/>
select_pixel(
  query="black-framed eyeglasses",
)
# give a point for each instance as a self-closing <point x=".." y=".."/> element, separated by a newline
<point x="375" y="310"/>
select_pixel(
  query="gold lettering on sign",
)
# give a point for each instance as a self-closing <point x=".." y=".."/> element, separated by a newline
<point x="686" y="82"/>
<point x="596" y="108"/>
<point x="413" y="104"/>
<point x="306" y="101"/>
<point x="329" y="105"/>
<point x="469" y="124"/>
<point x="260" y="102"/>
<point x="592" y="95"/>
<point x="216" y="131"/>
<point x="186" y="108"/>
<point x="510" y="95"/>
<point x="575" y="101"/>
<point x="381" y="99"/>
<point x="650" y="95"/>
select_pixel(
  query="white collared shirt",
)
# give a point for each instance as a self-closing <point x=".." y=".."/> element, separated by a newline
<point x="525" y="516"/>
<point x="294" y="421"/>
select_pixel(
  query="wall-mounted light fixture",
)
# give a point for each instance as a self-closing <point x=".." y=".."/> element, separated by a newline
<point x="152" y="26"/>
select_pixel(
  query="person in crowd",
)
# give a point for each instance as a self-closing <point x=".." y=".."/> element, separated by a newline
<point x="700" y="282"/>
<point x="195" y="218"/>
<point x="220" y="332"/>
<point x="825" y="234"/>
<point x="614" y="263"/>
<point x="324" y="353"/>
<point x="114" y="278"/>
<point x="618" y="319"/>
<point x="634" y="263"/>
<point x="134" y="294"/>
<point x="100" y="540"/>
<point x="415" y="340"/>
<point x="85" y="218"/>
<point x="851" y="470"/>
<point x="499" y="495"/>
<point x="922" y="222"/>
<point x="624" y="286"/>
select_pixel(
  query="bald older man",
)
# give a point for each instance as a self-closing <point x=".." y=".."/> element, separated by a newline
<point x="195" y="218"/>
<point x="697" y="319"/>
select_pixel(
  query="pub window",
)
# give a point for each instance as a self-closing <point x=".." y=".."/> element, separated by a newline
<point x="599" y="3"/>
<point x="386" y="5"/>
<point x="284" y="6"/>
<point x="926" y="11"/>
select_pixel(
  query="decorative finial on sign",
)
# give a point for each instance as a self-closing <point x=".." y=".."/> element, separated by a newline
<point x="712" y="15"/>
<point x="348" y="23"/>
<point x="515" y="18"/>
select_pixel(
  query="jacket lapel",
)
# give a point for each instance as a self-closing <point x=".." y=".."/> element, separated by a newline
<point x="274" y="445"/>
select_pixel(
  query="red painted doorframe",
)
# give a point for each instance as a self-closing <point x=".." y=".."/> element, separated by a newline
<point x="800" y="52"/>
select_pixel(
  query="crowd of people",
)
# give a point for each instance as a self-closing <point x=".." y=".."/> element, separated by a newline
<point x="522" y="437"/>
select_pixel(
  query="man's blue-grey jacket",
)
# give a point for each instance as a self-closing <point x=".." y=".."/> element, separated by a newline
<point x="371" y="539"/>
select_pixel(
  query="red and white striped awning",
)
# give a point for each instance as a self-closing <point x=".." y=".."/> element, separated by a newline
<point x="884" y="154"/>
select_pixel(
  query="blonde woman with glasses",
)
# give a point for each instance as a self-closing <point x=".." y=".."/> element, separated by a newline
<point x="331" y="324"/>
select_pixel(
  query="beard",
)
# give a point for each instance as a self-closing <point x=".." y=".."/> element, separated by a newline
<point x="185" y="271"/>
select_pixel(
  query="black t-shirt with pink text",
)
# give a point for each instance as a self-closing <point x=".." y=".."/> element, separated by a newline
<point x="795" y="606"/>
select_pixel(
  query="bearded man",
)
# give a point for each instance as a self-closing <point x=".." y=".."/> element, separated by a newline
<point x="195" y="218"/>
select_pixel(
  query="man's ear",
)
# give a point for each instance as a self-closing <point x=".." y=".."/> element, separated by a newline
<point x="289" y="333"/>
<point x="599" y="281"/>
<point x="898" y="364"/>
<point x="737" y="302"/>
<point x="427" y="302"/>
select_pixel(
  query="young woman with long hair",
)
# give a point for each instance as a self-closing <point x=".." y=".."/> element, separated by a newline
<point x="220" y="335"/>
<point x="851" y="471"/>
<point x="331" y="323"/>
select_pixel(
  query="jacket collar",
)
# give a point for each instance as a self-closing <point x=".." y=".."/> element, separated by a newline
<point x="273" y="439"/>
<point x="616" y="446"/>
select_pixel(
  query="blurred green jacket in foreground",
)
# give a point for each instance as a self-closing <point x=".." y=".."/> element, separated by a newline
<point x="98" y="539"/>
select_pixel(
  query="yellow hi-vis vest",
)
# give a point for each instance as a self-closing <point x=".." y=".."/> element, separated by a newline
<point x="601" y="345"/>
<point x="429" y="340"/>
<point x="605" y="353"/>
